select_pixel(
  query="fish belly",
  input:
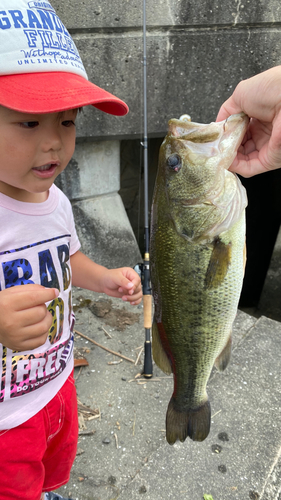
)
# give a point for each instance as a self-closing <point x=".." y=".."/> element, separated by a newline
<point x="195" y="306"/>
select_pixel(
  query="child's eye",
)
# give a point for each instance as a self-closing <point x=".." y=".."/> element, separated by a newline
<point x="68" y="123"/>
<point x="29" y="124"/>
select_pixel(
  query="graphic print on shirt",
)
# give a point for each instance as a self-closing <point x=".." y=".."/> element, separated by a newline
<point x="47" y="263"/>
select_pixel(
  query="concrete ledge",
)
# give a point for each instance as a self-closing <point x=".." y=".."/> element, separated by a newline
<point x="270" y="299"/>
<point x="105" y="232"/>
<point x="93" y="170"/>
<point x="164" y="12"/>
<point x="245" y="429"/>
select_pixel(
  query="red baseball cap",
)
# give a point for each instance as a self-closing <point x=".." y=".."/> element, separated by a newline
<point x="40" y="67"/>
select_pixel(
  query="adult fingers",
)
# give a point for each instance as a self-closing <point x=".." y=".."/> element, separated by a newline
<point x="229" y="107"/>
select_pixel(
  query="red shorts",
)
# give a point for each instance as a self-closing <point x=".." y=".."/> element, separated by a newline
<point x="37" y="455"/>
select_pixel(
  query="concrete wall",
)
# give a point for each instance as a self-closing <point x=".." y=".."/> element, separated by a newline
<point x="196" y="54"/>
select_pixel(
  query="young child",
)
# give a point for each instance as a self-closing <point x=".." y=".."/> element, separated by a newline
<point x="42" y="84"/>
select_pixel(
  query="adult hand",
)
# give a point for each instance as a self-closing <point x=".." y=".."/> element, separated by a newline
<point x="25" y="320"/>
<point x="260" y="98"/>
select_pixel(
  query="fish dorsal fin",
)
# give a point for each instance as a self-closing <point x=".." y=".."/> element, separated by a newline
<point x="159" y="355"/>
<point x="218" y="264"/>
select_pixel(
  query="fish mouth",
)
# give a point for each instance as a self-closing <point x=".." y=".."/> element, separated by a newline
<point x="217" y="142"/>
<point x="233" y="132"/>
<point x="220" y="139"/>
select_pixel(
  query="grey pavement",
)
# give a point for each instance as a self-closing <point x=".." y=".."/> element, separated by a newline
<point x="122" y="451"/>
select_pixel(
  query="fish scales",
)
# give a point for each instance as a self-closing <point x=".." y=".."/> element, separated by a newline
<point x="197" y="265"/>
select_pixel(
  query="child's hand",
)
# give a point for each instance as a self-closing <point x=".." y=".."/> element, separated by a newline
<point x="124" y="283"/>
<point x="25" y="320"/>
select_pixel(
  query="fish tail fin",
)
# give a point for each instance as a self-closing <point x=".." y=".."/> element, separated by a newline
<point x="224" y="357"/>
<point x="194" y="423"/>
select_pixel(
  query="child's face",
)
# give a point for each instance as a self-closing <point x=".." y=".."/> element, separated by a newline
<point x="34" y="149"/>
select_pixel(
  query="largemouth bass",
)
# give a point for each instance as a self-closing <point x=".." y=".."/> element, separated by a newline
<point x="197" y="263"/>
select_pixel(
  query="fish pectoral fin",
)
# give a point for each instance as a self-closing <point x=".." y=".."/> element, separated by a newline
<point x="218" y="264"/>
<point x="194" y="423"/>
<point x="224" y="357"/>
<point x="159" y="354"/>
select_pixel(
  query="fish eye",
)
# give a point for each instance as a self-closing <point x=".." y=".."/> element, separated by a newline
<point x="174" y="162"/>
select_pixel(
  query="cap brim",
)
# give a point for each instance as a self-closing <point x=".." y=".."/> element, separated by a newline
<point x="55" y="91"/>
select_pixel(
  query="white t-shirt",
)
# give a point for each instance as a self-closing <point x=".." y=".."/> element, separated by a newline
<point x="36" y="242"/>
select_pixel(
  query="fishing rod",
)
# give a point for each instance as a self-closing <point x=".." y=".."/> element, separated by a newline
<point x="147" y="297"/>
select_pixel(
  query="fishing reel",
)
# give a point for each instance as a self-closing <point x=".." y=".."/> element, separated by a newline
<point x="142" y="269"/>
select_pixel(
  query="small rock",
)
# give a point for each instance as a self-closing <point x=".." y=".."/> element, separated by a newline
<point x="106" y="440"/>
<point x="112" y="480"/>
<point x="216" y="448"/>
<point x="254" y="495"/>
<point x="80" y="451"/>
<point x="124" y="379"/>
<point x="223" y="436"/>
<point x="101" y="307"/>
<point x="222" y="468"/>
<point x="142" y="489"/>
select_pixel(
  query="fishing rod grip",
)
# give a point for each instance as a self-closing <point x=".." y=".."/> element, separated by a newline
<point x="147" y="314"/>
<point x="147" y="366"/>
<point x="147" y="311"/>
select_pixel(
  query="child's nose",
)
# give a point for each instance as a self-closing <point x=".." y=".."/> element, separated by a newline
<point x="52" y="141"/>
